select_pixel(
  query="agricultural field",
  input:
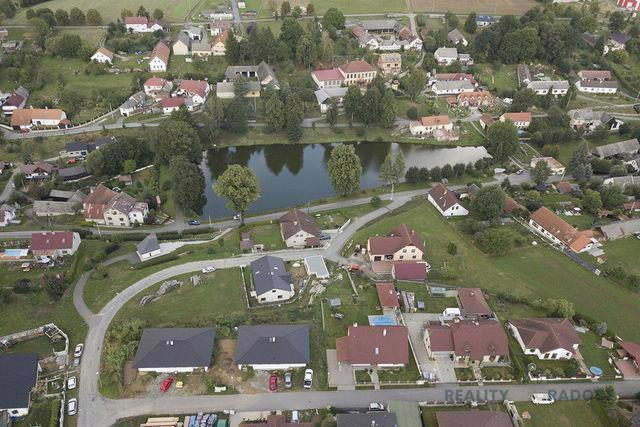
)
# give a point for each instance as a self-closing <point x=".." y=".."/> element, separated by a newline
<point x="346" y="6"/>
<point x="500" y="7"/>
<point x="174" y="10"/>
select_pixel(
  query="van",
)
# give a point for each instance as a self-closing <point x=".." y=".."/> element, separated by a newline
<point x="295" y="416"/>
<point x="542" y="399"/>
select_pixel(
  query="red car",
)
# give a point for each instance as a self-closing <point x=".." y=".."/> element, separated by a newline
<point x="273" y="382"/>
<point x="166" y="384"/>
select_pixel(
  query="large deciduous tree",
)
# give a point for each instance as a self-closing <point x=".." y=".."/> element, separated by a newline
<point x="345" y="169"/>
<point x="333" y="18"/>
<point x="239" y="186"/>
<point x="540" y="172"/>
<point x="503" y="139"/>
<point x="414" y="82"/>
<point x="489" y="202"/>
<point x="176" y="137"/>
<point x="188" y="184"/>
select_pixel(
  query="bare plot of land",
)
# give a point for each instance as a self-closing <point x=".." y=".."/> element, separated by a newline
<point x="498" y="7"/>
<point x="346" y="6"/>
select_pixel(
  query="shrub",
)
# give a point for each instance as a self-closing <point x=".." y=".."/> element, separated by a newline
<point x="452" y="248"/>
<point x="111" y="247"/>
<point x="412" y="113"/>
<point x="360" y="132"/>
<point x="376" y="201"/>
<point x="22" y="286"/>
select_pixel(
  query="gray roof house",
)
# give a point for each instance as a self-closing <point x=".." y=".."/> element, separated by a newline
<point x="268" y="347"/>
<point x="174" y="350"/>
<point x="271" y="281"/>
<point x="622" y="148"/>
<point x="18" y="376"/>
<point x="370" y="419"/>
<point x="149" y="247"/>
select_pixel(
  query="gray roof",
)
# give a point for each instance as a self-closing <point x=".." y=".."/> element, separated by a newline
<point x="183" y="38"/>
<point x="265" y="71"/>
<point x="548" y="84"/>
<point x="76" y="146"/>
<point x="620" y="229"/>
<point x="73" y="172"/>
<point x="377" y="419"/>
<point x="630" y="146"/>
<point x="272" y="344"/>
<point x="447" y="52"/>
<point x="619" y="37"/>
<point x="61" y="194"/>
<point x="200" y="46"/>
<point x="18" y="375"/>
<point x="174" y="348"/>
<point x="49" y="207"/>
<point x="455" y="35"/>
<point x="407" y="412"/>
<point x="622" y="181"/>
<point x="148" y="244"/>
<point x="322" y="95"/>
<point x="269" y="273"/>
<point x="379" y="25"/>
<point x="452" y="84"/>
<point x="315" y="265"/>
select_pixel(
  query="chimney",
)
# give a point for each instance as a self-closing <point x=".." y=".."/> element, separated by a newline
<point x="272" y="339"/>
<point x="377" y="351"/>
<point x="295" y="222"/>
<point x="384" y="332"/>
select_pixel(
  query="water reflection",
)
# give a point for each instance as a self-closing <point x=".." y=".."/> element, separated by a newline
<point x="295" y="174"/>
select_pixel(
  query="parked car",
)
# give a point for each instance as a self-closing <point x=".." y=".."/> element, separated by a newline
<point x="295" y="416"/>
<point x="287" y="380"/>
<point x="325" y="237"/>
<point x="166" y="384"/>
<point x="542" y="399"/>
<point x="71" y="383"/>
<point x="76" y="362"/>
<point x="209" y="269"/>
<point x="273" y="382"/>
<point x="194" y="222"/>
<point x="373" y="406"/>
<point x="78" y="350"/>
<point x="519" y="172"/>
<point x="72" y="407"/>
<point x="308" y="378"/>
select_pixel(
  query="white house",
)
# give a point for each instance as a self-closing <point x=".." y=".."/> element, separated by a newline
<point x="7" y="214"/>
<point x="149" y="247"/>
<point x="103" y="55"/>
<point x="452" y="87"/>
<point x="446" y="202"/>
<point x="197" y="90"/>
<point x="521" y="120"/>
<point x="299" y="230"/>
<point x="159" y="57"/>
<point x="324" y="97"/>
<point x="54" y="244"/>
<point x="557" y="87"/>
<point x="428" y="125"/>
<point x="169" y="105"/>
<point x="272" y="347"/>
<point x="141" y="24"/>
<point x="271" y="281"/>
<point x="456" y="37"/>
<point x="446" y="55"/>
<point x="556" y="167"/>
<point x="104" y="206"/>
<point x="596" y="81"/>
<point x="169" y="350"/>
<point x="546" y="338"/>
<point x="327" y="78"/>
<point x="26" y="118"/>
<point x="382" y="347"/>
<point x="558" y="231"/>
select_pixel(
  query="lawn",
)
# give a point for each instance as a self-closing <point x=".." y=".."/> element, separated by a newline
<point x="500" y="7"/>
<point x="429" y="412"/>
<point x="622" y="252"/>
<point x="432" y="304"/>
<point x="596" y="355"/>
<point x="346" y="6"/>
<point x="336" y="218"/>
<point x="560" y="414"/>
<point x="497" y="373"/>
<point x="267" y="234"/>
<point x="532" y="272"/>
<point x="504" y="79"/>
<point x="100" y="289"/>
<point x="174" y="10"/>
<point x="90" y="36"/>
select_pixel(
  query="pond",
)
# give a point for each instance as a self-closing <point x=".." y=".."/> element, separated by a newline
<point x="296" y="174"/>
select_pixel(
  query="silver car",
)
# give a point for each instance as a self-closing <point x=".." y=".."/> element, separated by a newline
<point x="72" y="407"/>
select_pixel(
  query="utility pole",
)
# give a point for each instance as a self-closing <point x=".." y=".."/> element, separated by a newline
<point x="393" y="184"/>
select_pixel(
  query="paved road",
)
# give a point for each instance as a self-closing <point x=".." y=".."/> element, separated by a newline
<point x="7" y="191"/>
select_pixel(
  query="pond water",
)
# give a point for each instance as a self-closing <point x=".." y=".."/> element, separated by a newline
<point x="296" y="174"/>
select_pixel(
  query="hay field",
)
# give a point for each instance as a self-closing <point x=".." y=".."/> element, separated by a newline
<point x="496" y="7"/>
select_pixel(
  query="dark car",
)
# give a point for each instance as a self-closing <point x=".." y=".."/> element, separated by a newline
<point x="194" y="222"/>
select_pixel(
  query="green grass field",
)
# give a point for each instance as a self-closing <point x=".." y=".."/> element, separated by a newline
<point x="504" y="79"/>
<point x="346" y="6"/>
<point x="267" y="234"/>
<point x="562" y="414"/>
<point x="623" y="252"/>
<point x="530" y="272"/>
<point x="174" y="10"/>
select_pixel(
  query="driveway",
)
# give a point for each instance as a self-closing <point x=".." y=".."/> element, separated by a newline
<point x="441" y="366"/>
<point x="340" y="375"/>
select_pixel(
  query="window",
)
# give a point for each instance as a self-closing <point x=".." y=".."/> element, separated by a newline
<point x="401" y="256"/>
<point x="279" y="296"/>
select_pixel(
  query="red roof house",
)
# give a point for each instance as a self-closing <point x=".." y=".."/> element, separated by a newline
<point x="410" y="271"/>
<point x="402" y="244"/>
<point x="381" y="346"/>
<point x="387" y="295"/>
<point x="468" y="340"/>
<point x="54" y="244"/>
<point x="472" y="303"/>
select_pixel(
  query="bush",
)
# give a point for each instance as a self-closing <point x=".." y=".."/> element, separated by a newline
<point x="452" y="248"/>
<point x="360" y="132"/>
<point x="412" y="113"/>
<point x="22" y="286"/>
<point x="376" y="201"/>
<point x="496" y="241"/>
<point x="111" y="247"/>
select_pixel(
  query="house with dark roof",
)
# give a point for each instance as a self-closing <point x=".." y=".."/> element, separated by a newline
<point x="467" y="341"/>
<point x="299" y="230"/>
<point x="403" y="243"/>
<point x="174" y="350"/>
<point x="472" y="303"/>
<point x="38" y="170"/>
<point x="104" y="206"/>
<point x="272" y="347"/>
<point x="558" y="231"/>
<point x="374" y="346"/>
<point x="16" y="100"/>
<point x="149" y="247"/>
<point x="73" y="173"/>
<point x="473" y="418"/>
<point x="275" y="421"/>
<point x="271" y="281"/>
<point x="54" y="244"/>
<point x="617" y="149"/>
<point x="387" y="295"/>
<point x="628" y="361"/>
<point x="370" y="419"/>
<point x="446" y="201"/>
<point x="546" y="338"/>
<point x="18" y="377"/>
<point x="410" y="271"/>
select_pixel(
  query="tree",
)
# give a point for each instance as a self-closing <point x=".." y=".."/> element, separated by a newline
<point x="601" y="328"/>
<point x="214" y="112"/>
<point x="274" y="116"/>
<point x="612" y="197"/>
<point x="353" y="102"/>
<point x="8" y="9"/>
<point x="333" y="18"/>
<point x="606" y="395"/>
<point x="559" y="307"/>
<point x="311" y="9"/>
<point x="412" y="176"/>
<point x="413" y="83"/>
<point x="290" y="33"/>
<point x="94" y="17"/>
<point x="344" y="169"/>
<point x="239" y="186"/>
<point x="617" y="21"/>
<point x="129" y="166"/>
<point x="62" y="17"/>
<point x="332" y="112"/>
<point x="326" y="50"/>
<point x="76" y="16"/>
<point x="125" y="12"/>
<point x="285" y="8"/>
<point x="177" y="138"/>
<point x="232" y="51"/>
<point x="523" y="100"/>
<point x="54" y="286"/>
<point x="470" y="25"/>
<point x="387" y="172"/>
<point x="158" y="14"/>
<point x="496" y="241"/>
<point x="371" y="102"/>
<point x="579" y="165"/>
<point x="142" y="12"/>
<point x="293" y="115"/>
<point x="489" y="202"/>
<point x="541" y="172"/>
<point x="95" y="163"/>
<point x="503" y="140"/>
<point x="188" y="184"/>
<point x="591" y="201"/>
<point x="388" y="109"/>
<point x="306" y="51"/>
<point x="399" y="167"/>
<point x="451" y="19"/>
<point x="235" y="116"/>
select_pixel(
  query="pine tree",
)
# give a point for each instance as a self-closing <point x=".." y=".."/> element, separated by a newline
<point x="388" y="110"/>
<point x="371" y="106"/>
<point x="387" y="170"/>
<point x="274" y="113"/>
<point x="294" y="113"/>
<point x="399" y="166"/>
<point x="332" y="112"/>
<point x="232" y="52"/>
<point x="470" y="25"/>
<point x="353" y="102"/>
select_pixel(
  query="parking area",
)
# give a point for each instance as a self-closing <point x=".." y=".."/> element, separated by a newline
<point x="441" y="367"/>
<point x="340" y="375"/>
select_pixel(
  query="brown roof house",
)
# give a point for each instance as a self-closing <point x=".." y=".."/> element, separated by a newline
<point x="387" y="295"/>
<point x="466" y="341"/>
<point x="275" y="421"/>
<point x="472" y="303"/>
<point x="546" y="338"/>
<point x="379" y="346"/>
<point x="38" y="170"/>
<point x="54" y="244"/>
<point x="473" y="418"/>
<point x="410" y="271"/>
<point x="299" y="230"/>
<point x="401" y="244"/>
<point x="26" y="118"/>
<point x="106" y="207"/>
<point x="446" y="201"/>
<point x="629" y="362"/>
<point x="553" y="228"/>
<point x="160" y="57"/>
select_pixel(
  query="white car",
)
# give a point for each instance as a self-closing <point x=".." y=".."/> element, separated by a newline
<point x="78" y="351"/>
<point x="373" y="406"/>
<point x="308" y="378"/>
<point x="209" y="269"/>
<point x="542" y="399"/>
<point x="71" y="383"/>
<point x="72" y="407"/>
